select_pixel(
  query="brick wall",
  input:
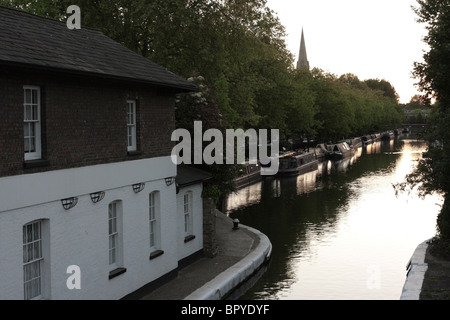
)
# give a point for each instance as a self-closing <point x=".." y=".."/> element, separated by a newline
<point x="84" y="121"/>
<point x="210" y="246"/>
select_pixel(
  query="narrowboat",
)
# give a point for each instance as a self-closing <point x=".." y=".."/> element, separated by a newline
<point x="366" y="140"/>
<point x="388" y="135"/>
<point x="376" y="137"/>
<point x="296" y="163"/>
<point x="354" y="143"/>
<point x="321" y="152"/>
<point x="340" y="151"/>
<point x="249" y="174"/>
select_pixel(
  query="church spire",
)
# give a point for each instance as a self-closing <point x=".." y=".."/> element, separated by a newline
<point x="302" y="58"/>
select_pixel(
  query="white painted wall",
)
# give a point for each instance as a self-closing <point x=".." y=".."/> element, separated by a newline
<point x="32" y="189"/>
<point x="80" y="236"/>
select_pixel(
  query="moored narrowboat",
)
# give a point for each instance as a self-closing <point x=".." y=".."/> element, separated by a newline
<point x="366" y="140"/>
<point x="321" y="152"/>
<point x="340" y="151"/>
<point x="296" y="163"/>
<point x="249" y="174"/>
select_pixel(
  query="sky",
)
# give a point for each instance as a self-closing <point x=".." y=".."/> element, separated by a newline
<point x="371" y="39"/>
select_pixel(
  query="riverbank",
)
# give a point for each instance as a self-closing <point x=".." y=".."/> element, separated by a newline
<point x="428" y="276"/>
<point x="436" y="284"/>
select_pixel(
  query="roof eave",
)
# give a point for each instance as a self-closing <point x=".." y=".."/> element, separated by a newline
<point x="178" y="87"/>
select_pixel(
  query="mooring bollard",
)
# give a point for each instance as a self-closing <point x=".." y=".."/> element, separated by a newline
<point x="236" y="224"/>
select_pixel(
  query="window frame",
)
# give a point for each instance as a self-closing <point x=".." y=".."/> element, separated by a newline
<point x="115" y="252"/>
<point x="131" y="125"/>
<point x="154" y="217"/>
<point x="35" y="123"/>
<point x="34" y="262"/>
<point x="187" y="214"/>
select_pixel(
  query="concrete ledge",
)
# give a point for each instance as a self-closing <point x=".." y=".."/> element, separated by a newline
<point x="416" y="273"/>
<point x="227" y="281"/>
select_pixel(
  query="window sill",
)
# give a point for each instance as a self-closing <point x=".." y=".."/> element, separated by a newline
<point x="189" y="239"/>
<point x="30" y="164"/>
<point x="117" y="272"/>
<point x="134" y="153"/>
<point x="156" y="254"/>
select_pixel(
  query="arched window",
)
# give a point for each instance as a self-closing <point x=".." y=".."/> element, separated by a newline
<point x="35" y="254"/>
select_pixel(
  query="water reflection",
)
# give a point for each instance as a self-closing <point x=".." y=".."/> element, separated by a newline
<point x="274" y="187"/>
<point x="339" y="232"/>
<point x="373" y="148"/>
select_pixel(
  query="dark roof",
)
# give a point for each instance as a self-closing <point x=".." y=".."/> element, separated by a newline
<point x="37" y="42"/>
<point x="188" y="176"/>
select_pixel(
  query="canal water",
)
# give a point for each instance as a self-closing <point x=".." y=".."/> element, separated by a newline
<point x="341" y="232"/>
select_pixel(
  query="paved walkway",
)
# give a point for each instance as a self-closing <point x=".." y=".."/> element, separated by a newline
<point x="241" y="253"/>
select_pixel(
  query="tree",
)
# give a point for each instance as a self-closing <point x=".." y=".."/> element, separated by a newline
<point x="301" y="108"/>
<point x="334" y="111"/>
<point x="433" y="77"/>
<point x="53" y="9"/>
<point x="385" y="87"/>
<point x="417" y="100"/>
<point x="202" y="106"/>
<point x="347" y="106"/>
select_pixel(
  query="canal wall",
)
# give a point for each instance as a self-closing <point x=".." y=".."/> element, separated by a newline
<point x="416" y="273"/>
<point x="226" y="282"/>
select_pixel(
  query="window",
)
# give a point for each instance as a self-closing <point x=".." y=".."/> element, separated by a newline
<point x="32" y="123"/>
<point x="154" y="222"/>
<point x="188" y="214"/>
<point x="115" y="236"/>
<point x="153" y="218"/>
<point x="32" y="260"/>
<point x="131" y="116"/>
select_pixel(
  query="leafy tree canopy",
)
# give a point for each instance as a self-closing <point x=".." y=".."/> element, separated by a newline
<point x="434" y="81"/>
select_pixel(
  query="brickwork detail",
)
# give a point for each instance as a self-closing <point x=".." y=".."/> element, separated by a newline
<point x="84" y="121"/>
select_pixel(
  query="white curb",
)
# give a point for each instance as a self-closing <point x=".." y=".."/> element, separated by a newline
<point x="230" y="279"/>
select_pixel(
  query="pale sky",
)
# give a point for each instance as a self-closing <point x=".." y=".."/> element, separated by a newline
<point x="372" y="39"/>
